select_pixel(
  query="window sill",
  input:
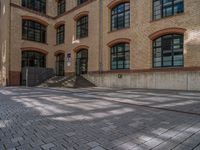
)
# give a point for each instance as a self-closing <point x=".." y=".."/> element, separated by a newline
<point x="162" y="68"/>
<point x="36" y="41"/>
<point x="59" y="44"/>
<point x="119" y="30"/>
<point x="119" y="70"/>
<point x="168" y="17"/>
<point x="35" y="11"/>
<point x="81" y="38"/>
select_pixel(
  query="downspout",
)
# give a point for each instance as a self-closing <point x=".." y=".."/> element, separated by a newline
<point x="100" y="36"/>
<point x="9" y="42"/>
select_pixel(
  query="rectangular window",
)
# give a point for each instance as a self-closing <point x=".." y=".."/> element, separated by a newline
<point x="120" y="16"/>
<point x="61" y="6"/>
<point x="168" y="51"/>
<point x="33" y="31"/>
<point x="82" y="27"/>
<point x="120" y="56"/>
<point x="165" y="8"/>
<point x="60" y="37"/>
<point x="37" y="5"/>
<point x="33" y="59"/>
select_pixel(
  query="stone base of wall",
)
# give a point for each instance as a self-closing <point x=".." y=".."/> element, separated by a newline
<point x="68" y="74"/>
<point x="178" y="80"/>
<point x="1" y="80"/>
<point x="14" y="78"/>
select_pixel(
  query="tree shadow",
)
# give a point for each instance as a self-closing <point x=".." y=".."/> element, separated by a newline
<point x="31" y="118"/>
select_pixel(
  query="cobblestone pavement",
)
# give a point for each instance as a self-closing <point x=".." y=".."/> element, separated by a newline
<point x="98" y="119"/>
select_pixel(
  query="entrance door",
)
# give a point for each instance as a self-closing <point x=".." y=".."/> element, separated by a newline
<point x="60" y="65"/>
<point x="81" y="62"/>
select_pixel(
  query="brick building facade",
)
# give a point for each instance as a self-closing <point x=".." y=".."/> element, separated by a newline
<point x="114" y="43"/>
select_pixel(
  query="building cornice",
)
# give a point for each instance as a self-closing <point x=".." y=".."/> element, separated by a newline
<point x="31" y="11"/>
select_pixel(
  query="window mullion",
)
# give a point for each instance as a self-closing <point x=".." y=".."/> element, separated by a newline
<point x="173" y="7"/>
<point x="162" y="7"/>
<point x="162" y="52"/>
<point x="172" y="49"/>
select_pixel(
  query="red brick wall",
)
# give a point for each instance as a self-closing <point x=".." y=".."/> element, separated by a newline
<point x="14" y="78"/>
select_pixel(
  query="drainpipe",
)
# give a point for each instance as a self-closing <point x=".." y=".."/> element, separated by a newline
<point x="100" y="36"/>
<point x="9" y="42"/>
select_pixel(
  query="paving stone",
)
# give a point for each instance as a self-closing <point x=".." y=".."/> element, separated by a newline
<point x="168" y="145"/>
<point x="48" y="146"/>
<point x="24" y="147"/>
<point x="93" y="144"/>
<point x="192" y="141"/>
<point x="85" y="119"/>
<point x="70" y="134"/>
<point x="127" y="146"/>
<point x="17" y="139"/>
<point x="197" y="148"/>
<point x="98" y="148"/>
<point x="153" y="142"/>
<point x="182" y="147"/>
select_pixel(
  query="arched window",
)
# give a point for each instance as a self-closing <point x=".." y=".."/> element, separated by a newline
<point x="61" y="6"/>
<point x="33" y="59"/>
<point x="33" y="31"/>
<point x="82" y="27"/>
<point x="168" y="51"/>
<point x="164" y="8"/>
<point x="60" y="35"/>
<point x="83" y="53"/>
<point x="37" y="5"/>
<point x="120" y="56"/>
<point x="120" y="16"/>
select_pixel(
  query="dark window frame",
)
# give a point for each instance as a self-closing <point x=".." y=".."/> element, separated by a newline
<point x="61" y="7"/>
<point x="33" y="31"/>
<point x="126" y="19"/>
<point x="82" y="27"/>
<point x="117" y="53"/>
<point x="163" y="51"/>
<point x="33" y="59"/>
<point x="79" y="2"/>
<point x="60" y="34"/>
<point x="162" y="8"/>
<point x="36" y="5"/>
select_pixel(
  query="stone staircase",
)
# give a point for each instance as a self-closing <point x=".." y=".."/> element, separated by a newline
<point x="67" y="82"/>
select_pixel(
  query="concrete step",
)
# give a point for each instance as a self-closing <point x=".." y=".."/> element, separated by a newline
<point x="83" y="83"/>
<point x="68" y="82"/>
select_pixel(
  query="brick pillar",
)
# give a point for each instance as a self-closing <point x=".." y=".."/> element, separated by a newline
<point x="14" y="78"/>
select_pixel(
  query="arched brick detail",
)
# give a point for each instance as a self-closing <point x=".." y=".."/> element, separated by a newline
<point x="77" y="49"/>
<point x="59" y="24"/>
<point x="167" y="31"/>
<point x="116" y="41"/>
<point x="81" y="14"/>
<point x="116" y="2"/>
<point x="35" y="19"/>
<point x="59" y="52"/>
<point x="34" y="49"/>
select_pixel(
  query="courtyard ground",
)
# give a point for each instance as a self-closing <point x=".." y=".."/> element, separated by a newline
<point x="98" y="119"/>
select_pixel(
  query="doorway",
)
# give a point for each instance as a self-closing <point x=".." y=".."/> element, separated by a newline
<point x="82" y="62"/>
<point x="60" y="65"/>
